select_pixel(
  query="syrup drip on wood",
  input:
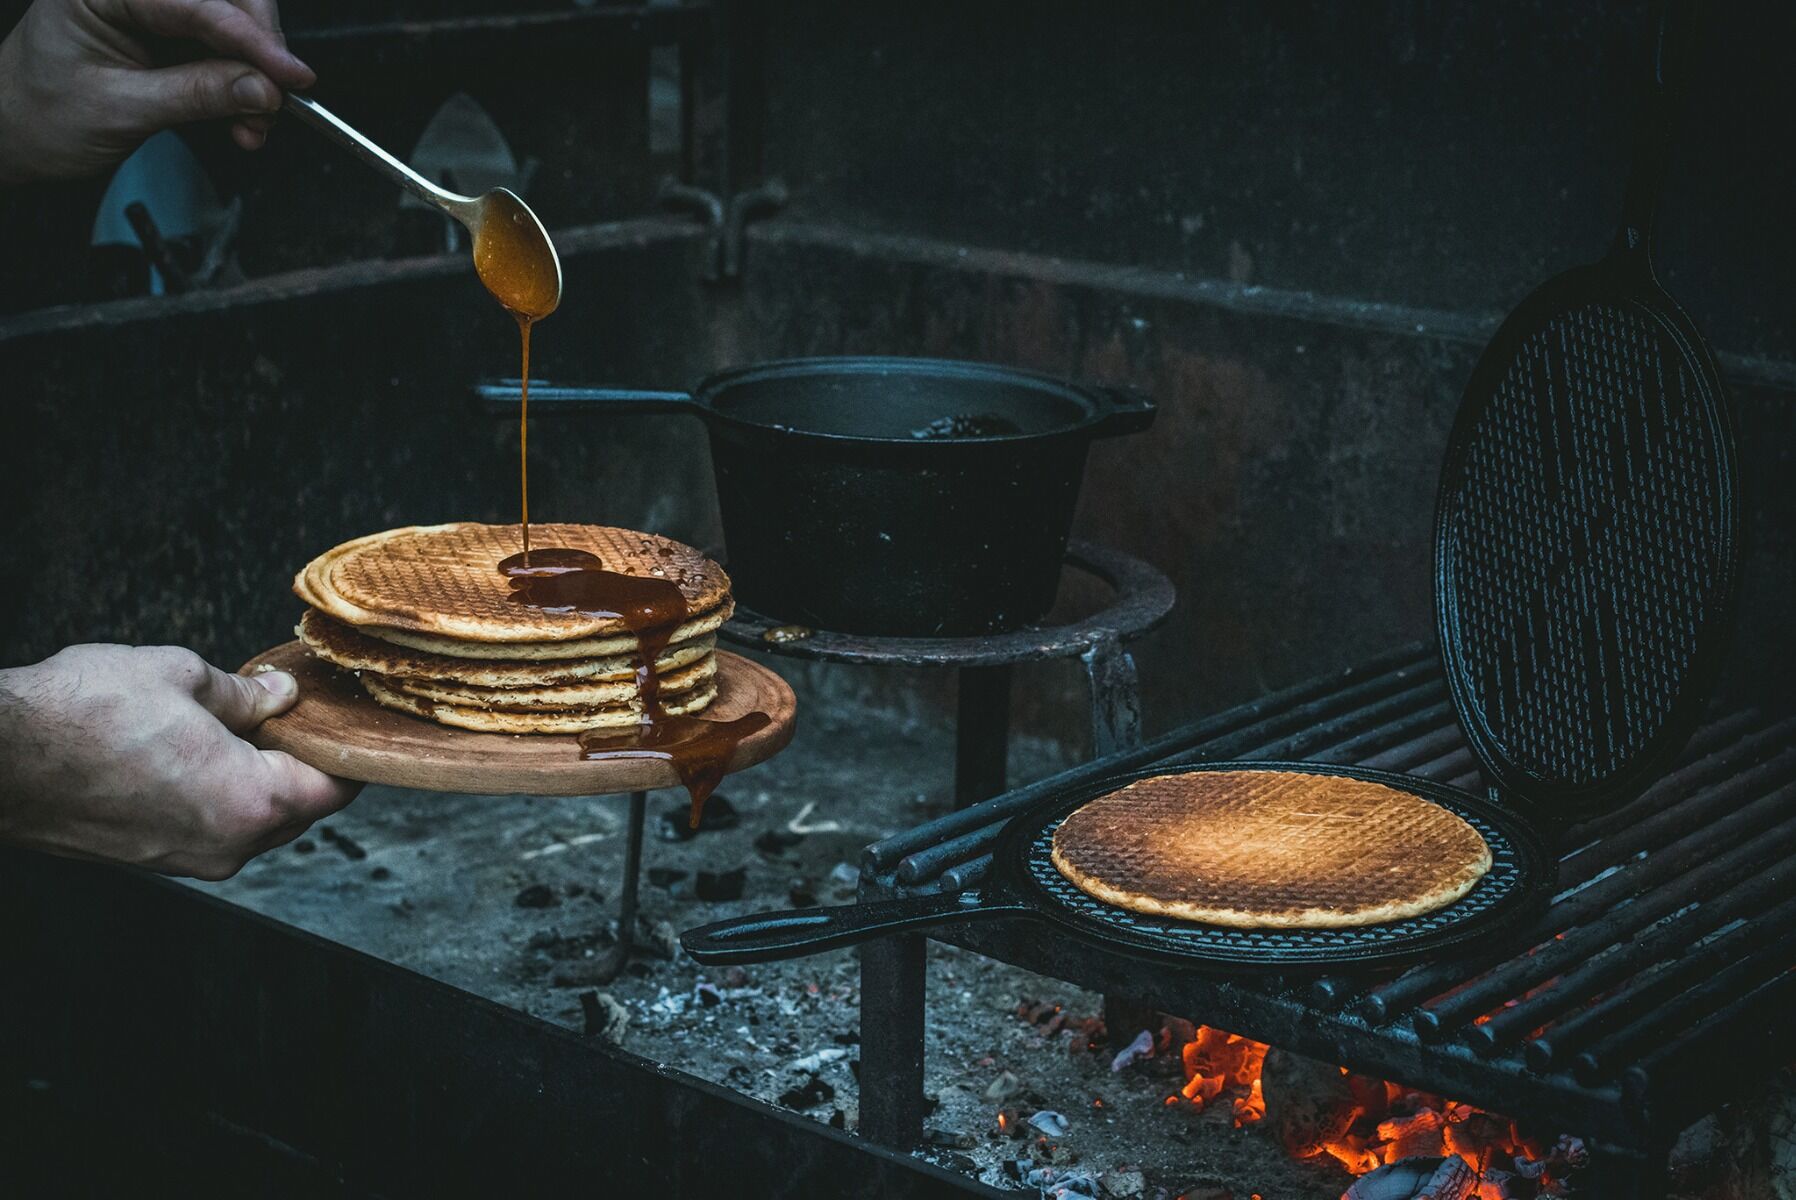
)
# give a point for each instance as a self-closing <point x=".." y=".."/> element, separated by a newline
<point x="559" y="579"/>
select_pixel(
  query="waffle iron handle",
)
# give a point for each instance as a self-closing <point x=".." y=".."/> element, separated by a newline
<point x="500" y="396"/>
<point x="766" y="937"/>
<point x="1671" y="27"/>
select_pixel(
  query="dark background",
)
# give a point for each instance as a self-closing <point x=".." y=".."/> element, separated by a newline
<point x="1294" y="224"/>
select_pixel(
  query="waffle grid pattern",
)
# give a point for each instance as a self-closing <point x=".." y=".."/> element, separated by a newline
<point x="1270" y="842"/>
<point x="1499" y="885"/>
<point x="1584" y="545"/>
<point x="445" y="579"/>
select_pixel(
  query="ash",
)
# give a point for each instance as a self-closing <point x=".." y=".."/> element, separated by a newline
<point x="515" y="898"/>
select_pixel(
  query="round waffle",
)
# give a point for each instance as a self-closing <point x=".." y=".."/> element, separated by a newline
<point x="443" y="580"/>
<point x="355" y="650"/>
<point x="484" y="720"/>
<point x="1269" y="849"/>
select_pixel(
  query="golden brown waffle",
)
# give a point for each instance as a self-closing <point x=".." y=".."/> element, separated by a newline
<point x="353" y="650"/>
<point x="443" y="580"/>
<point x="1281" y="849"/>
<point x="556" y="698"/>
<point x="488" y="721"/>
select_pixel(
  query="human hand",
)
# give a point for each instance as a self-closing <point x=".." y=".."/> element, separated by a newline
<point x="130" y="754"/>
<point x="84" y="82"/>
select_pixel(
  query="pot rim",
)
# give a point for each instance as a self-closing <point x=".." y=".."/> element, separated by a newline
<point x="1100" y="403"/>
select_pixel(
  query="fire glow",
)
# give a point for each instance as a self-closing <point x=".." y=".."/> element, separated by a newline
<point x="1366" y="1123"/>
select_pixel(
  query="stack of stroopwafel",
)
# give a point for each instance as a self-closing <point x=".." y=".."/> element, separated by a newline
<point x="432" y="628"/>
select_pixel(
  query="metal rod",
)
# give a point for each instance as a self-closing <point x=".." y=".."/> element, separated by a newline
<point x="1644" y="992"/>
<point x="1580" y="984"/>
<point x="1678" y="1016"/>
<point x="1387" y="735"/>
<point x="1388" y="670"/>
<point x="1446" y="1013"/>
<point x="1417" y="750"/>
<point x="1707" y="740"/>
<point x="967" y="874"/>
<point x="626" y="916"/>
<point x="893" y="974"/>
<point x="981" y="734"/>
<point x="1447" y="766"/>
<point x="1303" y="743"/>
<point x="1689" y="812"/>
<point x="1690" y="1070"/>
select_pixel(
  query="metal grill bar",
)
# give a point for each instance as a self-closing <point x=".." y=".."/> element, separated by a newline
<point x="1686" y="1073"/>
<point x="1578" y="985"/>
<point x="1697" y="875"/>
<point x="1647" y="993"/>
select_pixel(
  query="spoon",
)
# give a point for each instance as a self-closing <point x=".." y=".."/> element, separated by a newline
<point x="512" y="252"/>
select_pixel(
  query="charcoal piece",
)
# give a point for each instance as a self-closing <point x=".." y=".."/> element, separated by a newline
<point x="1003" y="1087"/>
<point x="809" y="1094"/>
<point x="351" y="849"/>
<point x="676" y="823"/>
<point x="1308" y="1103"/>
<point x="1430" y="1178"/>
<point x="304" y="846"/>
<point x="846" y="1038"/>
<point x="605" y="1018"/>
<point x="838" y="1119"/>
<point x="954" y="1138"/>
<point x="716" y="886"/>
<point x="666" y="877"/>
<point x="380" y="874"/>
<point x="1122" y="1183"/>
<point x="707" y="994"/>
<point x="537" y="895"/>
<point x="775" y="842"/>
<point x="657" y="938"/>
<point x="800" y="895"/>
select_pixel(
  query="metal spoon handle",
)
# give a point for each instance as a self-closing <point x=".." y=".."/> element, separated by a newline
<point x="463" y="208"/>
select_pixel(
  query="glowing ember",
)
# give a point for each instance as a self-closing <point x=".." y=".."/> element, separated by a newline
<point x="1387" y="1122"/>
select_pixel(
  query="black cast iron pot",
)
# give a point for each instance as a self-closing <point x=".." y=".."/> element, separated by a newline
<point x="893" y="496"/>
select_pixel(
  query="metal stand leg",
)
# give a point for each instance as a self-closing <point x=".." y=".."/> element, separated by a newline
<point x="892" y="977"/>
<point x="626" y="913"/>
<point x="981" y="734"/>
<point x="1116" y="725"/>
<point x="617" y="955"/>
<point x="1115" y="697"/>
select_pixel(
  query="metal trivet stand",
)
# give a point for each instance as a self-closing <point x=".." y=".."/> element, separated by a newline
<point x="893" y="969"/>
<point x="1143" y="597"/>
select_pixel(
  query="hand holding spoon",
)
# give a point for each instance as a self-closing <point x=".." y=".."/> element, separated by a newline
<point x="512" y="252"/>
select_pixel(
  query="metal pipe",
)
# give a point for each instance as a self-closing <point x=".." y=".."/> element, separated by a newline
<point x="1580" y="984"/>
<point x="1645" y="991"/>
<point x="1439" y="1017"/>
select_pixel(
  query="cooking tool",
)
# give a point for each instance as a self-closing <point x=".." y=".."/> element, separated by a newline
<point x="1586" y="549"/>
<point x="846" y="508"/>
<point x="1587" y="524"/>
<point x="1024" y="884"/>
<point x="525" y="245"/>
<point x="337" y="728"/>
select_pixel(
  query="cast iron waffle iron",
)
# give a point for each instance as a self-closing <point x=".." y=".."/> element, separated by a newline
<point x="1586" y="547"/>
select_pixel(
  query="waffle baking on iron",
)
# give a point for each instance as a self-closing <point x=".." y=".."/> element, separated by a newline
<point x="1269" y="848"/>
<point x="432" y="628"/>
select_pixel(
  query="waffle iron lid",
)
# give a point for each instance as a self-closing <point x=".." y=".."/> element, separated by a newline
<point x="1586" y="547"/>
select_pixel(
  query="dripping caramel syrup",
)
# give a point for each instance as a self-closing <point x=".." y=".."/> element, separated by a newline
<point x="559" y="579"/>
<point x="562" y="580"/>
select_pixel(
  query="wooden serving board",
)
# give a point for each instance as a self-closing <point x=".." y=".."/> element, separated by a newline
<point x="337" y="728"/>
